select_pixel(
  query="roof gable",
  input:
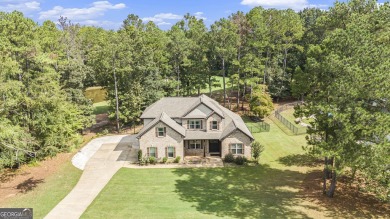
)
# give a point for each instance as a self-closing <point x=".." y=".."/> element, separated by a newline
<point x="167" y="121"/>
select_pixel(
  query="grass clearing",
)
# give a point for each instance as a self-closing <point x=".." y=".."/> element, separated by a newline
<point x="101" y="107"/>
<point x="96" y="94"/>
<point x="219" y="82"/>
<point x="47" y="195"/>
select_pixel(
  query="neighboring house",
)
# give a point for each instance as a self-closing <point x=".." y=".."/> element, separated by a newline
<point x="192" y="126"/>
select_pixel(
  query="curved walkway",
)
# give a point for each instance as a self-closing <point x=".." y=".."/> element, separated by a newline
<point x="101" y="159"/>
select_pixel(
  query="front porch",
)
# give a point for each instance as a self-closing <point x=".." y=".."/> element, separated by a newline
<point x="202" y="148"/>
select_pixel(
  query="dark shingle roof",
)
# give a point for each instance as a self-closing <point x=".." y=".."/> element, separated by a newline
<point x="179" y="107"/>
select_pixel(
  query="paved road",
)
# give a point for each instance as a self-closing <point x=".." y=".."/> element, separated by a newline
<point x="113" y="153"/>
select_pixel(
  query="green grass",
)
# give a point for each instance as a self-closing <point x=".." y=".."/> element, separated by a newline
<point x="278" y="145"/>
<point x="269" y="190"/>
<point x="47" y="195"/>
<point x="289" y="115"/>
<point x="243" y="192"/>
<point x="96" y="94"/>
<point x="101" y="107"/>
<point x="219" y="81"/>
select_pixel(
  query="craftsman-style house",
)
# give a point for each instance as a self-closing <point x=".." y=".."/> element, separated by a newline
<point x="192" y="126"/>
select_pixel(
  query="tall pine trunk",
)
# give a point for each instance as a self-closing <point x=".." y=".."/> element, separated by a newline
<point x="223" y="81"/>
<point x="116" y="101"/>
<point x="210" y="86"/>
<point x="332" y="187"/>
<point x="325" y="175"/>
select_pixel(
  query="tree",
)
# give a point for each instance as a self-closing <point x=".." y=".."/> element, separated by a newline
<point x="257" y="149"/>
<point x="348" y="96"/>
<point x="261" y="103"/>
<point x="225" y="40"/>
<point x="179" y="50"/>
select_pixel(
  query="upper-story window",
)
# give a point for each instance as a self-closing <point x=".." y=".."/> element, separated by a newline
<point x="161" y="131"/>
<point x="195" y="124"/>
<point x="214" y="125"/>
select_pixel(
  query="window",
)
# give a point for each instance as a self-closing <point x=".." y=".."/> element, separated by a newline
<point x="160" y="131"/>
<point x="214" y="125"/>
<point x="170" y="152"/>
<point x="195" y="144"/>
<point x="236" y="148"/>
<point x="194" y="124"/>
<point x="152" y="152"/>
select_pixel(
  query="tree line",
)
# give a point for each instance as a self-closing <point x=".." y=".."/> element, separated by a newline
<point x="337" y="61"/>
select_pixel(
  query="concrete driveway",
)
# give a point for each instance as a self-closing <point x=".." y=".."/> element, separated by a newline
<point x="112" y="153"/>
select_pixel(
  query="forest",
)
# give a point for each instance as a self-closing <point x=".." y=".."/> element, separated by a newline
<point x="337" y="61"/>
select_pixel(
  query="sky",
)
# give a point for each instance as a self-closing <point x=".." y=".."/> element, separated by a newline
<point x="109" y="14"/>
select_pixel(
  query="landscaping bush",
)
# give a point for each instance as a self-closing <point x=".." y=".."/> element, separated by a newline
<point x="177" y="159"/>
<point x="140" y="155"/>
<point x="152" y="160"/>
<point x="240" y="160"/>
<point x="165" y="159"/>
<point x="147" y="160"/>
<point x="229" y="158"/>
<point x="257" y="149"/>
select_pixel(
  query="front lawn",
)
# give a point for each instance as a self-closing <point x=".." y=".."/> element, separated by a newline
<point x="198" y="193"/>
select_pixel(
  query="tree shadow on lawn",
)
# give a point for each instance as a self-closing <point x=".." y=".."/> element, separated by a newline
<point x="29" y="184"/>
<point x="348" y="201"/>
<point x="241" y="192"/>
<point x="301" y="160"/>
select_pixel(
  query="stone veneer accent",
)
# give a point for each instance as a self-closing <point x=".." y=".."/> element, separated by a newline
<point x="236" y="137"/>
<point x="172" y="138"/>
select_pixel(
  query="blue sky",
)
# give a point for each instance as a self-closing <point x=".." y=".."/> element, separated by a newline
<point x="110" y="14"/>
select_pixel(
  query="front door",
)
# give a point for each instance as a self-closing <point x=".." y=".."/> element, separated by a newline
<point x="214" y="147"/>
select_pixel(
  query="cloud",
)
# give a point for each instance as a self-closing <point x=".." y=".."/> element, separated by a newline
<point x="99" y="23"/>
<point x="165" y="18"/>
<point x="23" y="6"/>
<point x="199" y="15"/>
<point x="163" y="23"/>
<point x="162" y="17"/>
<point x="282" y="4"/>
<point x="97" y="9"/>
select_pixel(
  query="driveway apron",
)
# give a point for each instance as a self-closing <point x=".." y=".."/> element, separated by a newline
<point x="105" y="162"/>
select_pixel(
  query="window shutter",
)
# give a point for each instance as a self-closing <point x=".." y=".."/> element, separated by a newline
<point x="156" y="152"/>
<point x="230" y="148"/>
<point x="188" y="124"/>
<point x="156" y="132"/>
<point x="165" y="131"/>
<point x="166" y="151"/>
<point x="147" y="152"/>
<point x="201" y="124"/>
<point x="243" y="148"/>
<point x="217" y="125"/>
<point x="211" y="125"/>
<point x="174" y="151"/>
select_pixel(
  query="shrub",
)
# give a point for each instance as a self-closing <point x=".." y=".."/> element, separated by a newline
<point x="240" y="160"/>
<point x="177" y="159"/>
<point x="257" y="149"/>
<point x="165" y="159"/>
<point x="229" y="158"/>
<point x="152" y="160"/>
<point x="147" y="160"/>
<point x="139" y="155"/>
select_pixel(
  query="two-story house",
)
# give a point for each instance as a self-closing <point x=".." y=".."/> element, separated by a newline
<point x="192" y="126"/>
